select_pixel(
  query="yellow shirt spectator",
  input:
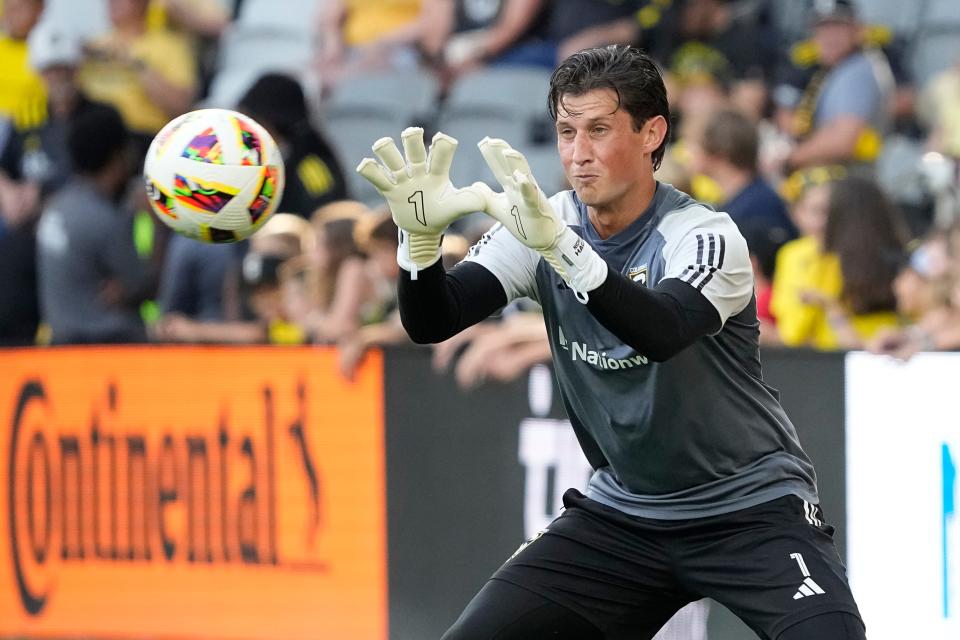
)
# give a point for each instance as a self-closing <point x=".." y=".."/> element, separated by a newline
<point x="367" y="20"/>
<point x="803" y="268"/>
<point x="112" y="74"/>
<point x="23" y="97"/>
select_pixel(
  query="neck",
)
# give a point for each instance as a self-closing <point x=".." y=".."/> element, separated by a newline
<point x="731" y="179"/>
<point x="721" y="18"/>
<point x="105" y="183"/>
<point x="131" y="30"/>
<point x="63" y="109"/>
<point x="616" y="216"/>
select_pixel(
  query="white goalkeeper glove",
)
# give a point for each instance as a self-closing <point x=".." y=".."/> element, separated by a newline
<point x="525" y="211"/>
<point x="422" y="200"/>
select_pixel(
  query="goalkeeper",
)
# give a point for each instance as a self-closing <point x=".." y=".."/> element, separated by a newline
<point x="700" y="488"/>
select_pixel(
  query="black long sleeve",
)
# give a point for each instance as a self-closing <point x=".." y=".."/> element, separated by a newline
<point x="440" y="304"/>
<point x="658" y="322"/>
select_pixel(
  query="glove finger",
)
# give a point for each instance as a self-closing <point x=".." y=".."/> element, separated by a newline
<point x="517" y="162"/>
<point x="529" y="190"/>
<point x="442" y="149"/>
<point x="375" y="174"/>
<point x="386" y="150"/>
<point x="492" y="150"/>
<point x="413" y="149"/>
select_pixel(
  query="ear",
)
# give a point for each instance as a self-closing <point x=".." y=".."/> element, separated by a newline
<point x="653" y="132"/>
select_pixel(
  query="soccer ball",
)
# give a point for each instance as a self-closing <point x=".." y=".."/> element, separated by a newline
<point x="214" y="175"/>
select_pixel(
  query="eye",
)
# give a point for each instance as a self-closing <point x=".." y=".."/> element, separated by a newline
<point x="600" y="130"/>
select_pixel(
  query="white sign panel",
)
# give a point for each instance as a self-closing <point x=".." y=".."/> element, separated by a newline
<point x="903" y="535"/>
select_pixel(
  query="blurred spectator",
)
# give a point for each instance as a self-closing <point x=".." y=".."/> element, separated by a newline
<point x="203" y="22"/>
<point x="844" y="110"/>
<point x="193" y="278"/>
<point x="201" y="18"/>
<point x="832" y="288"/>
<point x="22" y="94"/>
<point x="149" y="75"/>
<point x="33" y="164"/>
<point x="610" y="22"/>
<point x="366" y="35"/>
<point x="462" y="35"/>
<point x="495" y="350"/>
<point x="345" y="286"/>
<point x="727" y="153"/>
<point x="91" y="278"/>
<point x="924" y="289"/>
<point x="313" y="174"/>
<point x="800" y="62"/>
<point x="255" y="312"/>
<point x="377" y="237"/>
<point x="260" y="288"/>
<point x="718" y="42"/>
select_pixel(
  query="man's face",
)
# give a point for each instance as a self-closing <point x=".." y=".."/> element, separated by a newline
<point x="60" y="81"/>
<point x="601" y="151"/>
<point x="810" y="212"/>
<point x="836" y="40"/>
<point x="124" y="12"/>
<point x="20" y="16"/>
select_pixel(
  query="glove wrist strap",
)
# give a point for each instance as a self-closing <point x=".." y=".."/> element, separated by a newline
<point x="418" y="251"/>
<point x="578" y="264"/>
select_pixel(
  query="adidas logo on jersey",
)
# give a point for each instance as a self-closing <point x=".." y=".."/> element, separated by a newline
<point x="597" y="359"/>
<point x="808" y="587"/>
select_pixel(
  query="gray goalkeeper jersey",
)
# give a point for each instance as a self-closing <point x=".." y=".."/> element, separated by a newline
<point x="697" y="435"/>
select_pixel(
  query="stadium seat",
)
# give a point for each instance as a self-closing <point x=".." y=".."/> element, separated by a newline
<point x="290" y="15"/>
<point x="500" y="102"/>
<point x="85" y="18"/>
<point x="246" y="53"/>
<point x="898" y="169"/>
<point x="364" y="108"/>
<point x="936" y="49"/>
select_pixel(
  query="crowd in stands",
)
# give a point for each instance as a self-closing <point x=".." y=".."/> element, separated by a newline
<point x="830" y="136"/>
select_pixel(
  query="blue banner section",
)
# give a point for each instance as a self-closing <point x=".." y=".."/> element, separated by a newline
<point x="949" y="515"/>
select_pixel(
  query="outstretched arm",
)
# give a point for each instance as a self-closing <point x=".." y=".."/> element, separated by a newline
<point x="439" y="304"/>
<point x="434" y="305"/>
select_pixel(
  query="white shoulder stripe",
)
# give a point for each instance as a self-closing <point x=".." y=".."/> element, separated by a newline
<point x="562" y="202"/>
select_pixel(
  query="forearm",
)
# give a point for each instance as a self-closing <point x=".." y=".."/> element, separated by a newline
<point x="836" y="142"/>
<point x="658" y="322"/>
<point x="439" y="304"/>
<point x="172" y="99"/>
<point x="438" y="25"/>
<point x="516" y="19"/>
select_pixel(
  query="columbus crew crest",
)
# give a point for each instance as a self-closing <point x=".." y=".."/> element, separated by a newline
<point x="638" y="274"/>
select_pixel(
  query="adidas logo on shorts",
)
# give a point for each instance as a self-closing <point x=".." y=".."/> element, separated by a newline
<point x="808" y="587"/>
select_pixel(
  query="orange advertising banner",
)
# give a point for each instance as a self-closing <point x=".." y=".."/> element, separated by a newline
<point x="191" y="492"/>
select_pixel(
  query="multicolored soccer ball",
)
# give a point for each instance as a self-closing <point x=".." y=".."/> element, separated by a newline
<point x="214" y="175"/>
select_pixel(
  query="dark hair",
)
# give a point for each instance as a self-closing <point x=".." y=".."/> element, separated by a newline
<point x="341" y="245"/>
<point x="384" y="229"/>
<point x="729" y="135"/>
<point x="868" y="235"/>
<point x="96" y="135"/>
<point x="278" y="101"/>
<point x="629" y="72"/>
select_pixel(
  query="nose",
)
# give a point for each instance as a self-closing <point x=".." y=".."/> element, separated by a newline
<point x="582" y="149"/>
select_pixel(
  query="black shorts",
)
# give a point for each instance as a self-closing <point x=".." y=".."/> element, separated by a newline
<point x="772" y="565"/>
